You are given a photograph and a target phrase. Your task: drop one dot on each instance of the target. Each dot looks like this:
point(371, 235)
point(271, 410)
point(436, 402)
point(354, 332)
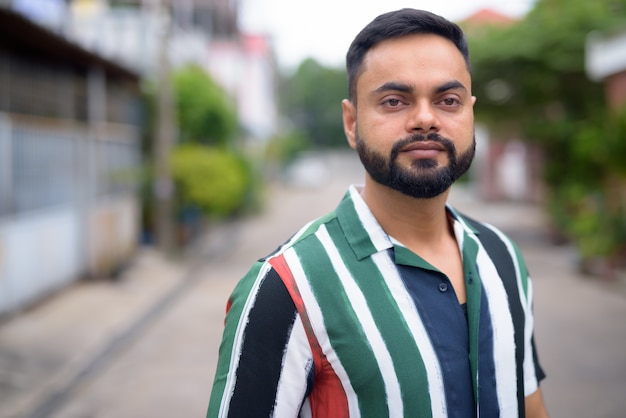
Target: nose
point(423, 118)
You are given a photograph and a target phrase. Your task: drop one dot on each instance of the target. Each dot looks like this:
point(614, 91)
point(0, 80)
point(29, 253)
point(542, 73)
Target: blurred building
point(203, 32)
point(605, 61)
point(70, 78)
point(69, 153)
point(246, 68)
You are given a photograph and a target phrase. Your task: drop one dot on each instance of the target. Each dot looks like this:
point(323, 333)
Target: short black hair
point(395, 25)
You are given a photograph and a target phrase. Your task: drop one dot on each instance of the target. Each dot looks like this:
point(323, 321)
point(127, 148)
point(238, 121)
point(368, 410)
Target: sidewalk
point(48, 348)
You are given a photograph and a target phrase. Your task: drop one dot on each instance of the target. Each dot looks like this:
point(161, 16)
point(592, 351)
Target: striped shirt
point(332, 325)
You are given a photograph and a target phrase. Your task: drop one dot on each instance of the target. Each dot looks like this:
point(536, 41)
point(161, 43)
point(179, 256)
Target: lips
point(423, 146)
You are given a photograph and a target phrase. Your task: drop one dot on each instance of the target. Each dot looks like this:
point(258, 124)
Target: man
point(393, 305)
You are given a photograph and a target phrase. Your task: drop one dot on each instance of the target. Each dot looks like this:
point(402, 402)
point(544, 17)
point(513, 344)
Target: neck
point(417, 223)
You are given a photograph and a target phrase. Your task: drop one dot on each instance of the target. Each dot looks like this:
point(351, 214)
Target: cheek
point(463, 127)
point(379, 132)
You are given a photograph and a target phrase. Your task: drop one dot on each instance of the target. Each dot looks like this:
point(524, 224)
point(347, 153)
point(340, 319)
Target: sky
point(324, 29)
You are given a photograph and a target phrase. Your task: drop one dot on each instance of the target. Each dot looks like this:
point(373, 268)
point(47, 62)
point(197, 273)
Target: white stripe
point(530, 379)
point(369, 327)
point(306, 411)
point(377, 235)
point(238, 341)
point(405, 303)
point(531, 384)
point(513, 254)
point(503, 333)
point(317, 322)
point(297, 362)
point(459, 234)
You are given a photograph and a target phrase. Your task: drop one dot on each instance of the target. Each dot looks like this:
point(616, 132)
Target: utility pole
point(164, 140)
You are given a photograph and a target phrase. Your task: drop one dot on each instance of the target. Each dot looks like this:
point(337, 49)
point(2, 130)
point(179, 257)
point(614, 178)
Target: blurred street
point(146, 343)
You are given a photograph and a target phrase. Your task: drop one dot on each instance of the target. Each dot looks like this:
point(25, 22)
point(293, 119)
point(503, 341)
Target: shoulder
point(305, 233)
point(273, 271)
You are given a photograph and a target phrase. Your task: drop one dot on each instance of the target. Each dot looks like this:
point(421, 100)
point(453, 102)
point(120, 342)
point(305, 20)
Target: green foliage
point(601, 140)
point(530, 79)
point(205, 113)
point(285, 148)
point(586, 172)
point(541, 64)
point(584, 217)
point(311, 100)
point(212, 179)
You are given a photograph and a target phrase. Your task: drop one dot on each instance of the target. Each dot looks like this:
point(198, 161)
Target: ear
point(349, 121)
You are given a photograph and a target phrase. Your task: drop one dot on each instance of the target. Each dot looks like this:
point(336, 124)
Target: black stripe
point(539, 373)
point(269, 325)
point(505, 266)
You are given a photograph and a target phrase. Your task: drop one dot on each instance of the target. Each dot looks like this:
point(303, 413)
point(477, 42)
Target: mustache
point(433, 137)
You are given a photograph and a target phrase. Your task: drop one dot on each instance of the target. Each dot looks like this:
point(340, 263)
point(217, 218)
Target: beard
point(424, 179)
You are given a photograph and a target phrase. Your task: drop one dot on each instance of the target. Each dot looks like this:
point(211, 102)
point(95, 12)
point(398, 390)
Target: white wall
point(38, 253)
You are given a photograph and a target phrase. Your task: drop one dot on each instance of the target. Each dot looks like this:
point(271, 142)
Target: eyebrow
point(451, 85)
point(394, 86)
point(407, 88)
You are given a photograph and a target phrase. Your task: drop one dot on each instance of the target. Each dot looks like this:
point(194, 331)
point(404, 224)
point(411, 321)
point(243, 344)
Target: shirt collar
point(364, 233)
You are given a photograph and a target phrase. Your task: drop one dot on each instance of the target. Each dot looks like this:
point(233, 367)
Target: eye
point(392, 102)
point(450, 101)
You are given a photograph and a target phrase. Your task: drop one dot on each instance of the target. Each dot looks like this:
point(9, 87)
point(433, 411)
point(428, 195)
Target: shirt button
point(443, 287)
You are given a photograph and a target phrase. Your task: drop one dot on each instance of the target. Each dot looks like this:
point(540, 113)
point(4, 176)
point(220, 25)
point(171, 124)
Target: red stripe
point(328, 398)
point(229, 305)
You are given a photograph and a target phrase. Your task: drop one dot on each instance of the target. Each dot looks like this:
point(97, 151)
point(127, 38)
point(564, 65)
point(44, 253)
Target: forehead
point(416, 59)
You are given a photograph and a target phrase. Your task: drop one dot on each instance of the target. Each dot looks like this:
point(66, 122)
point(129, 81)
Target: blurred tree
point(533, 73)
point(281, 150)
point(530, 79)
point(206, 113)
point(212, 174)
point(213, 178)
point(311, 101)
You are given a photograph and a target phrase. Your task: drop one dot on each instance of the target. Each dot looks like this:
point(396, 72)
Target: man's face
point(413, 126)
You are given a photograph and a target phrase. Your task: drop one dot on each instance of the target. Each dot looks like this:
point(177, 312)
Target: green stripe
point(314, 226)
point(353, 229)
point(239, 297)
point(407, 360)
point(522, 270)
point(407, 257)
point(473, 292)
point(344, 329)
